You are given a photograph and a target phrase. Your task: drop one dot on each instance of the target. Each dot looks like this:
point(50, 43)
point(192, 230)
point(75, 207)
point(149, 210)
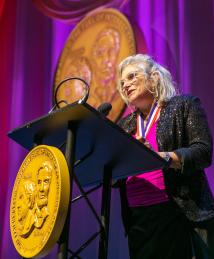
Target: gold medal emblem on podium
point(39, 201)
point(92, 52)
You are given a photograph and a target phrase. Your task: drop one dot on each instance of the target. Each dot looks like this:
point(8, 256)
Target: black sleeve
point(197, 154)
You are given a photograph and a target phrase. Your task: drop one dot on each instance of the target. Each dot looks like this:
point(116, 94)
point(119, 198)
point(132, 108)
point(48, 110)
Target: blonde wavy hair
point(163, 89)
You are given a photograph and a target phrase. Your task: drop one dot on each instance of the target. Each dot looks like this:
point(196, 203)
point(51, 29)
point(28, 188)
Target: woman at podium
point(169, 213)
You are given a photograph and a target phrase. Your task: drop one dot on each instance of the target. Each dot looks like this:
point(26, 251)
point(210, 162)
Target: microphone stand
point(82, 100)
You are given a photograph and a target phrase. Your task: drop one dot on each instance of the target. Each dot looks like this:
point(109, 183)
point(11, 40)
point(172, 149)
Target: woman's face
point(134, 85)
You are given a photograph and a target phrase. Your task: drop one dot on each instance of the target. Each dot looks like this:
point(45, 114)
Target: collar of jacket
point(129, 123)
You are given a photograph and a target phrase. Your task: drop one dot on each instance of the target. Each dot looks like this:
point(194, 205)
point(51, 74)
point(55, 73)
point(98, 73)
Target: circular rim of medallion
point(87, 23)
point(61, 203)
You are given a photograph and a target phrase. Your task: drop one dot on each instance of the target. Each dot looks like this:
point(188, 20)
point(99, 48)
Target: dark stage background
point(179, 34)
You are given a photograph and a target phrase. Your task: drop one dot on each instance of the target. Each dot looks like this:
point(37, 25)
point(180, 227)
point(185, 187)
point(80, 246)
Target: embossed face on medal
point(38, 203)
point(101, 41)
point(25, 205)
point(74, 66)
point(44, 176)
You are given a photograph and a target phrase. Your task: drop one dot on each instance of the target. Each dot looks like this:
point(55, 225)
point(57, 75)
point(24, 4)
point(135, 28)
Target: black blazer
point(183, 129)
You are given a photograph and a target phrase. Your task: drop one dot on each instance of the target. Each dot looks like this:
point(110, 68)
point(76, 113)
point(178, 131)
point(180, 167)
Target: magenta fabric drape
point(7, 57)
point(72, 11)
point(179, 34)
point(2, 2)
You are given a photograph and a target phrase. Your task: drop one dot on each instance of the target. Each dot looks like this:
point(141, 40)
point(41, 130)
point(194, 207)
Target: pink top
point(147, 188)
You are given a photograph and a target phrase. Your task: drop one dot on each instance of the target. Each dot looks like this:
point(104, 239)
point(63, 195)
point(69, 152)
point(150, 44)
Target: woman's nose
point(126, 85)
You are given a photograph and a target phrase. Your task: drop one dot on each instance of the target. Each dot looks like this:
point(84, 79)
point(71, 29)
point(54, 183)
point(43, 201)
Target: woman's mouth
point(129, 92)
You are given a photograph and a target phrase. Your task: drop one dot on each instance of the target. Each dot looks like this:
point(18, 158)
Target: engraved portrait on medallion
point(76, 66)
point(105, 51)
point(25, 207)
point(92, 52)
point(38, 205)
point(44, 175)
point(32, 202)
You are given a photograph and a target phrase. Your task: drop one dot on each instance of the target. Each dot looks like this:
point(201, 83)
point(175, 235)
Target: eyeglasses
point(129, 78)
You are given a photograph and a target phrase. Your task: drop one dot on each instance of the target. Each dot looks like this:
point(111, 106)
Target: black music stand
point(97, 151)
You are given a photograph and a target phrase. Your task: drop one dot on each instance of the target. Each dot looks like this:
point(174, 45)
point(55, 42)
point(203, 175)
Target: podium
point(96, 151)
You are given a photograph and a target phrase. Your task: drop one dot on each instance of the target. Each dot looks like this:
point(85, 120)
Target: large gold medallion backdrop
point(39, 201)
point(92, 52)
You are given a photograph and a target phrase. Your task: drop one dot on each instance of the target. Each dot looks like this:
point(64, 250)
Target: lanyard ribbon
point(154, 114)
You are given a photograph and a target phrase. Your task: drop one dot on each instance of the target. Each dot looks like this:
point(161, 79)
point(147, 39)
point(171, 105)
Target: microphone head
point(105, 108)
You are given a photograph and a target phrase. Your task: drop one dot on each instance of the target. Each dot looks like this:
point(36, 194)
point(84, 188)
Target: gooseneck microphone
point(82, 100)
point(105, 108)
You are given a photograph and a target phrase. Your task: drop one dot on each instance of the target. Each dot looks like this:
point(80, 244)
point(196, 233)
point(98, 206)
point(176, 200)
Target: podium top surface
point(98, 143)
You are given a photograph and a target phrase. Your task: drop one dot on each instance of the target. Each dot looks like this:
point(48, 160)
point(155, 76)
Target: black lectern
point(97, 151)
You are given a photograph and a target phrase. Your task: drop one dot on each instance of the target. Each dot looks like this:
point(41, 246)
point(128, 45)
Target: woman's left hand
point(175, 162)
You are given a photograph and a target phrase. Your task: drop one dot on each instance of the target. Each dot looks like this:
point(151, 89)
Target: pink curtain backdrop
point(72, 11)
point(1, 7)
point(179, 34)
